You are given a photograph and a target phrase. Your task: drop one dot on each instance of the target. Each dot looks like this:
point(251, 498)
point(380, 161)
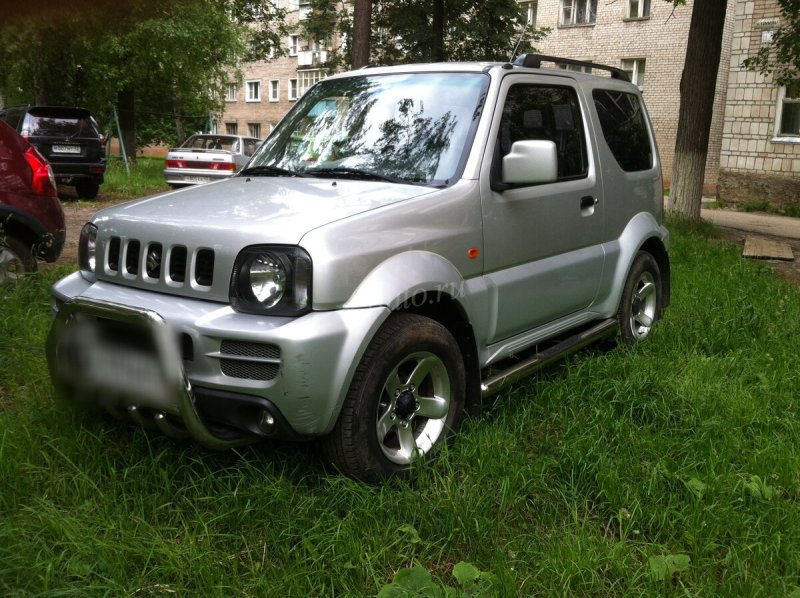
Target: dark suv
point(31, 217)
point(70, 140)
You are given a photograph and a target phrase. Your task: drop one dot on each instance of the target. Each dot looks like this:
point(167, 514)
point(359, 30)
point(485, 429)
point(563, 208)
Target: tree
point(421, 31)
point(403, 31)
point(781, 58)
point(362, 18)
point(697, 90)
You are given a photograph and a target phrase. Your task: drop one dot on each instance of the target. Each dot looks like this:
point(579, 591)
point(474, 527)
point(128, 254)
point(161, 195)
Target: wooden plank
point(766, 249)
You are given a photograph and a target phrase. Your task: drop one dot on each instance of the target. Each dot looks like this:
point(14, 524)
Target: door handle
point(588, 202)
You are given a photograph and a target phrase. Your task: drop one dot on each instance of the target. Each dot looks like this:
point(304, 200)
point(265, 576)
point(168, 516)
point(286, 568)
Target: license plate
point(67, 149)
point(197, 179)
point(128, 372)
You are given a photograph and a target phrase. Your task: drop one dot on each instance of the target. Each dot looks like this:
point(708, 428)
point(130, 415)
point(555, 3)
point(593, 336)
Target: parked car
point(205, 158)
point(69, 138)
point(31, 217)
point(407, 241)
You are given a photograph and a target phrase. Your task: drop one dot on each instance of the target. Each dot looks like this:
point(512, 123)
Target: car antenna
point(519, 41)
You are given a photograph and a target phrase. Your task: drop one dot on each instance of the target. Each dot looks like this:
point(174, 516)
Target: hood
point(257, 209)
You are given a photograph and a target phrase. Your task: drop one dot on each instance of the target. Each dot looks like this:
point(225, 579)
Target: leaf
point(465, 573)
point(759, 488)
point(415, 581)
point(696, 487)
point(663, 567)
point(411, 533)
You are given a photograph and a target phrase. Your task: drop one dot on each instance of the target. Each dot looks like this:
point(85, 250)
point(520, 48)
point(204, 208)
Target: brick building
point(269, 88)
point(760, 154)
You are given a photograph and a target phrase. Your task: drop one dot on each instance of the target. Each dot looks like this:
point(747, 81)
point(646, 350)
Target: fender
point(24, 219)
point(407, 276)
point(620, 254)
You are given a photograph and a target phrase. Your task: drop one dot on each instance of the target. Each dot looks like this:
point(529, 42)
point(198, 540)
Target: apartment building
point(270, 87)
point(760, 153)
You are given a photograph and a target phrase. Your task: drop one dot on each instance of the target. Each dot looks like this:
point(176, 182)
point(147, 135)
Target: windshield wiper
point(264, 170)
point(357, 173)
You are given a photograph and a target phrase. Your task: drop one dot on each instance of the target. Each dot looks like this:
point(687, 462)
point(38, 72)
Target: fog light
point(266, 422)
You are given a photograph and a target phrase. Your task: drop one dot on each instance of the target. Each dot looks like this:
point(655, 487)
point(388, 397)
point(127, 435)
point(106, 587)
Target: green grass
point(146, 177)
point(669, 469)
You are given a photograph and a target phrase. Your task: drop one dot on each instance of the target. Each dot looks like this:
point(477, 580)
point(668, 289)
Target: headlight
point(87, 248)
point(270, 279)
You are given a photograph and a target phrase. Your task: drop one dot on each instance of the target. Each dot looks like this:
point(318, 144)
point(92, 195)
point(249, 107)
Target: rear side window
point(624, 127)
point(549, 113)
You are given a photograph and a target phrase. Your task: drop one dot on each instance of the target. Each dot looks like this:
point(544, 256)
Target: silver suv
point(407, 241)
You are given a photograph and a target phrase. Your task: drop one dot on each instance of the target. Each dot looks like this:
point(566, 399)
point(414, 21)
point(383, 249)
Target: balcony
point(311, 58)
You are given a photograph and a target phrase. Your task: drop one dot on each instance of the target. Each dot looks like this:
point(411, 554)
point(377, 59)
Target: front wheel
point(406, 398)
point(640, 306)
point(16, 259)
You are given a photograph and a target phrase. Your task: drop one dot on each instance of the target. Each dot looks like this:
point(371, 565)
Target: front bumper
point(198, 369)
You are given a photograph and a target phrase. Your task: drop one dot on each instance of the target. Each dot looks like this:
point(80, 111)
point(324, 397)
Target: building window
point(635, 69)
point(578, 12)
point(231, 97)
point(638, 9)
point(254, 129)
point(292, 89)
point(231, 129)
point(294, 42)
point(577, 68)
point(789, 112)
point(529, 10)
point(274, 90)
point(254, 91)
point(308, 78)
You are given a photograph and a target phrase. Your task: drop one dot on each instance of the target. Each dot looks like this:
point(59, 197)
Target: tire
point(640, 307)
point(406, 398)
point(16, 259)
point(87, 189)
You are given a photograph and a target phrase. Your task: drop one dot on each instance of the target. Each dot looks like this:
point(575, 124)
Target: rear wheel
point(640, 307)
point(87, 189)
point(406, 398)
point(16, 259)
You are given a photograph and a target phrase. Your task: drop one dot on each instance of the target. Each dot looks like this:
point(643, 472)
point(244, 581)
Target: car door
point(543, 256)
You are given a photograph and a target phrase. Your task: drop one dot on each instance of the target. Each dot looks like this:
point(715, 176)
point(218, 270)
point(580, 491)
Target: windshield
point(411, 128)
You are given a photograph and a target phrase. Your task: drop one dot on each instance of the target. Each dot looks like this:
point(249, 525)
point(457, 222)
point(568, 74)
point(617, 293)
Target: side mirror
point(531, 161)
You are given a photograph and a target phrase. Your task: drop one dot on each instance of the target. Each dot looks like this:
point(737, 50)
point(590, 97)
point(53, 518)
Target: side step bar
point(499, 380)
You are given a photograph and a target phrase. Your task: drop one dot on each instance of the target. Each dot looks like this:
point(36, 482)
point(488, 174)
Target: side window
point(550, 113)
point(624, 127)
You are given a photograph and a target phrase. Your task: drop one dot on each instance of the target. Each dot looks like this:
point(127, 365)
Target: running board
point(498, 380)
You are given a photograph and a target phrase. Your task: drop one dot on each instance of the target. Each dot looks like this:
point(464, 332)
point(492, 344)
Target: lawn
point(669, 469)
point(143, 177)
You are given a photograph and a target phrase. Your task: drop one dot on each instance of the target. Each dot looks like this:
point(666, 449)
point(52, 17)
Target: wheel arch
point(427, 284)
point(643, 233)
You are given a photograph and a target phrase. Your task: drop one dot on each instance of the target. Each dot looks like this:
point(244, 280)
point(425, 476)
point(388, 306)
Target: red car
point(31, 218)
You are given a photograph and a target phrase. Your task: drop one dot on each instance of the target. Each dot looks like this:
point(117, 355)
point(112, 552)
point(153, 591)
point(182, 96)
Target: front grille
point(158, 262)
point(251, 361)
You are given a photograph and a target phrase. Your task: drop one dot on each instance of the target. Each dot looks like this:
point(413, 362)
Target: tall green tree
point(404, 31)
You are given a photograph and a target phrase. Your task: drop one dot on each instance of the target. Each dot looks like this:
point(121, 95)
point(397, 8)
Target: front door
point(543, 256)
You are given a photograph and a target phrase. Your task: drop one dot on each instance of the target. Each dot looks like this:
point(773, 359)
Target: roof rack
point(534, 61)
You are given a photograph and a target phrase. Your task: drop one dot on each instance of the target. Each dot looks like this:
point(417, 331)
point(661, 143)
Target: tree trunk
point(437, 27)
point(362, 19)
point(127, 121)
point(698, 85)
